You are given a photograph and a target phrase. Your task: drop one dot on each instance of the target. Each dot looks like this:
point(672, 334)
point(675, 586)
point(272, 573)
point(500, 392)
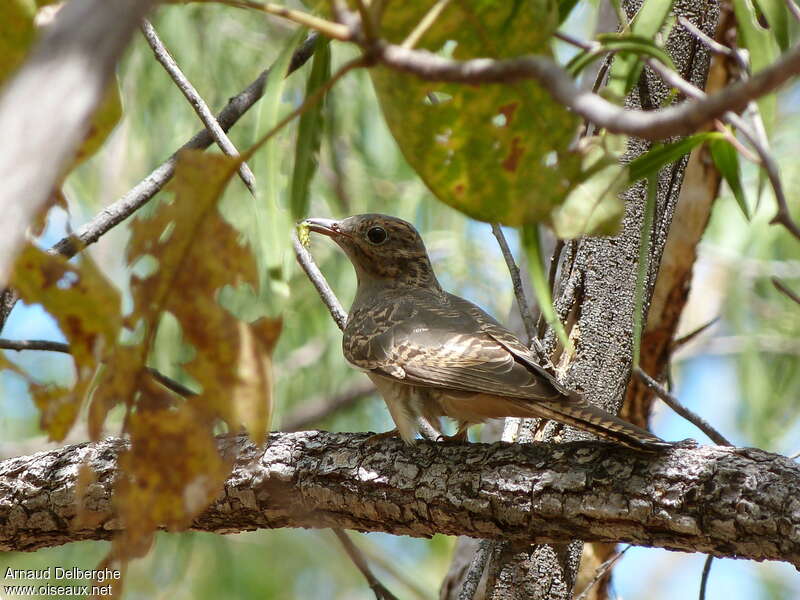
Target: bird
point(432, 354)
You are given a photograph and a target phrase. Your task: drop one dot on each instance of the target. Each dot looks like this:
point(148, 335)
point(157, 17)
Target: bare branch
point(704, 577)
point(601, 572)
point(679, 408)
point(355, 555)
point(519, 291)
point(685, 339)
point(782, 287)
point(708, 41)
point(681, 119)
point(329, 29)
point(687, 499)
point(49, 346)
point(318, 279)
point(200, 107)
point(794, 9)
point(46, 345)
point(422, 27)
point(73, 61)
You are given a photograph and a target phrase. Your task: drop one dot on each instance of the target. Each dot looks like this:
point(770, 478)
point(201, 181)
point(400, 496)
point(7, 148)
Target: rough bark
point(598, 283)
point(699, 190)
point(724, 501)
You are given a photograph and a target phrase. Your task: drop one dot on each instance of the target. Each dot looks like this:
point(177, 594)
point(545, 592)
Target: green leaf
point(621, 44)
point(309, 132)
point(643, 266)
point(564, 9)
point(726, 160)
point(499, 153)
point(763, 50)
point(777, 14)
point(663, 154)
point(626, 68)
point(533, 252)
point(272, 221)
point(594, 204)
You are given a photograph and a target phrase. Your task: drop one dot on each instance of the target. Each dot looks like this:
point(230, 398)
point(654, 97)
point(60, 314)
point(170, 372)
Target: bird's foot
point(377, 437)
point(459, 436)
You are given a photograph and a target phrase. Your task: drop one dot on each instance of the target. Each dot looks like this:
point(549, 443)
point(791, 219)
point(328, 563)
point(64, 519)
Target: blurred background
point(742, 374)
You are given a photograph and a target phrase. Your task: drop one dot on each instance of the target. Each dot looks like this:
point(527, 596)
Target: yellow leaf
point(252, 396)
point(86, 307)
point(172, 471)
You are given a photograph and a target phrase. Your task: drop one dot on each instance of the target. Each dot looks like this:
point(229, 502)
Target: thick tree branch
point(677, 120)
point(724, 501)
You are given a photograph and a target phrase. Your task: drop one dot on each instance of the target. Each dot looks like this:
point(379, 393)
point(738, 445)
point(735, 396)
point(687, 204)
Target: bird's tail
point(573, 410)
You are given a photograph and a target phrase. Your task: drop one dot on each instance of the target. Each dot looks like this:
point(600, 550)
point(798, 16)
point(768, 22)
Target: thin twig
point(170, 383)
point(767, 161)
point(601, 572)
point(377, 557)
point(327, 28)
point(679, 408)
point(573, 41)
point(704, 577)
point(381, 593)
point(685, 339)
point(200, 107)
point(318, 279)
point(46, 345)
point(49, 346)
point(147, 188)
point(425, 24)
point(783, 288)
point(707, 41)
point(795, 455)
point(794, 9)
point(516, 282)
point(314, 410)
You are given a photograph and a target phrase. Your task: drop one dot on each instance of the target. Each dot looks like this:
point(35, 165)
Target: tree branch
point(677, 120)
point(723, 501)
point(318, 279)
point(679, 408)
point(198, 104)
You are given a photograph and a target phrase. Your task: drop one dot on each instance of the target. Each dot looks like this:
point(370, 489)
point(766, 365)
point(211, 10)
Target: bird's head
point(384, 250)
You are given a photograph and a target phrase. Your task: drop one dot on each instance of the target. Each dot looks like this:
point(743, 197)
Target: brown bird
point(432, 354)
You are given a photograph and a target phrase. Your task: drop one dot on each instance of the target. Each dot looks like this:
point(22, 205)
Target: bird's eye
point(377, 235)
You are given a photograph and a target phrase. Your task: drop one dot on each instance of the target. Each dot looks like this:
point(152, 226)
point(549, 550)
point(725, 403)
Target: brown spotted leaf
point(86, 307)
point(198, 253)
point(171, 472)
point(495, 152)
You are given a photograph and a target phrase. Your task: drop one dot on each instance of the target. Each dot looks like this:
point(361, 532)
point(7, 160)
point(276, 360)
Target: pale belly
point(408, 403)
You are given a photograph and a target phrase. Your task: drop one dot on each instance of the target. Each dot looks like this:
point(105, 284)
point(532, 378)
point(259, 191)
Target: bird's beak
point(327, 227)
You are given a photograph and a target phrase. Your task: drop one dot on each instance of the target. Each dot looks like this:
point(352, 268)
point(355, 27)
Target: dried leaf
point(86, 306)
point(168, 476)
point(252, 396)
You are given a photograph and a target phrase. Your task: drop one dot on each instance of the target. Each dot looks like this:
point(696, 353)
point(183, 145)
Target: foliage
point(208, 284)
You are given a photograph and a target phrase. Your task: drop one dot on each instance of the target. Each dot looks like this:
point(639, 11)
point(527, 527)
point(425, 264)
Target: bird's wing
point(426, 339)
